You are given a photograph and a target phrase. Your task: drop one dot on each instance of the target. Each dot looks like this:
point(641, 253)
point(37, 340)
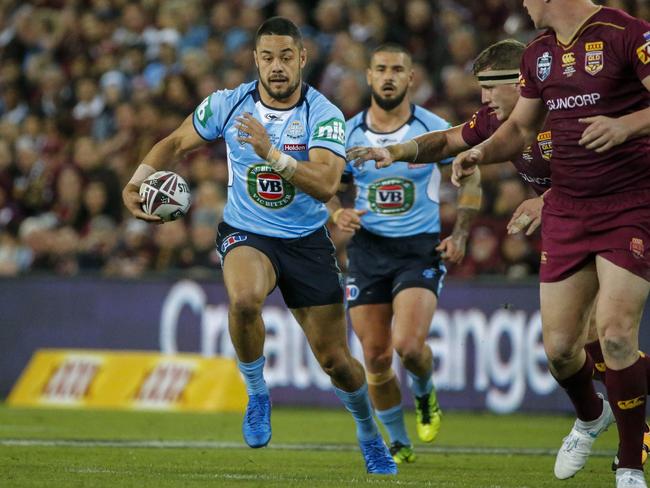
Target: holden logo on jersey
point(295, 130)
point(544, 66)
point(269, 189)
point(594, 58)
point(391, 196)
point(545, 144)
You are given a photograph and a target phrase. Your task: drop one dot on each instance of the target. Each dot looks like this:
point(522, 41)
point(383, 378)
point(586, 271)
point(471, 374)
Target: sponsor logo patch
point(204, 112)
point(331, 130)
point(573, 101)
point(351, 292)
point(544, 63)
point(271, 117)
point(295, 147)
point(568, 64)
point(543, 259)
point(632, 403)
point(545, 144)
point(594, 57)
point(391, 196)
point(269, 189)
point(472, 122)
point(429, 273)
point(637, 248)
point(231, 239)
point(643, 52)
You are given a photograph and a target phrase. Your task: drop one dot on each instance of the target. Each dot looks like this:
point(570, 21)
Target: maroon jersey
point(532, 164)
point(598, 73)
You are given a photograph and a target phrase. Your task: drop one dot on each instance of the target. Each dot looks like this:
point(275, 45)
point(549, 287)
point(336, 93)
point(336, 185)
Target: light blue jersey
point(259, 199)
point(403, 199)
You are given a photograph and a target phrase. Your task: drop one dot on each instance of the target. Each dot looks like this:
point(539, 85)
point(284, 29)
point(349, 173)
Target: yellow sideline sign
point(129, 380)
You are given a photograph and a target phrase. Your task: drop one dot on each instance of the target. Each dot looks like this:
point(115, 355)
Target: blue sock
point(421, 386)
point(254, 376)
point(358, 404)
point(393, 420)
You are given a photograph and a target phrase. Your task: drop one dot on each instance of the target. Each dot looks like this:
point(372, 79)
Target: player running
point(285, 145)
point(497, 70)
point(590, 74)
point(395, 268)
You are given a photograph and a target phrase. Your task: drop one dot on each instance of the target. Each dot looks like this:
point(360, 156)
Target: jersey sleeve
point(528, 79)
point(476, 130)
point(208, 117)
point(637, 47)
point(327, 129)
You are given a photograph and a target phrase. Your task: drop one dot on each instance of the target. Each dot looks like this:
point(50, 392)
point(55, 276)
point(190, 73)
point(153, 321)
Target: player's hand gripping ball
point(166, 195)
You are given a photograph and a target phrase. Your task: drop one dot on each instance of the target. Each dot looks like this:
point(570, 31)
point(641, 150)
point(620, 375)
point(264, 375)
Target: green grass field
point(310, 448)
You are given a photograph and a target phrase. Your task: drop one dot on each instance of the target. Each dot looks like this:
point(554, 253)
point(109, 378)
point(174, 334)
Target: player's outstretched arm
point(170, 149)
point(431, 147)
point(469, 201)
point(507, 142)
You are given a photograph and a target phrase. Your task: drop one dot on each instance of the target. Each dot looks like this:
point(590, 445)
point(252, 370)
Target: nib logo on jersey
point(391, 196)
point(269, 189)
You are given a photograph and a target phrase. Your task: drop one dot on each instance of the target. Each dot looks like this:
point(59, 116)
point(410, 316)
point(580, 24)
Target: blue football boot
point(377, 456)
point(257, 421)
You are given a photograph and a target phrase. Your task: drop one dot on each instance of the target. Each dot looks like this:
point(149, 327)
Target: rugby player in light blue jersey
point(395, 256)
point(286, 153)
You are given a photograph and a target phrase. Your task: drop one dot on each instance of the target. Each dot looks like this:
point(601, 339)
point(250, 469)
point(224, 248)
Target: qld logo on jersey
point(269, 189)
point(544, 63)
point(391, 196)
point(594, 57)
point(545, 144)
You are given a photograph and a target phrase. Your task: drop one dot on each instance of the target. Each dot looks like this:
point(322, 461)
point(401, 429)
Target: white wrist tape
point(282, 163)
point(141, 173)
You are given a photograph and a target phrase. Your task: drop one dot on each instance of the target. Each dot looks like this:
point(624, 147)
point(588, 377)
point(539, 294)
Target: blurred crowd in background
point(88, 86)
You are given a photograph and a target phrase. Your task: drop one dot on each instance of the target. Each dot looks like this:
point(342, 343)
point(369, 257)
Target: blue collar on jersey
point(303, 94)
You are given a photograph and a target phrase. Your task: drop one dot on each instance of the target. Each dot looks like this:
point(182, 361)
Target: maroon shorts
point(575, 231)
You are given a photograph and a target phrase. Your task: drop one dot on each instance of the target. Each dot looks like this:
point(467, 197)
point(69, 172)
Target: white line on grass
point(181, 444)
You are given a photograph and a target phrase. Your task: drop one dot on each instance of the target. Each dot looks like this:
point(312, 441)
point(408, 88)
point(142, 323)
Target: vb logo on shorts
point(269, 189)
point(391, 196)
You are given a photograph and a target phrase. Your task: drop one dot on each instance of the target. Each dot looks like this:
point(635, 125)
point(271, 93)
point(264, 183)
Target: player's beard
point(282, 95)
point(388, 103)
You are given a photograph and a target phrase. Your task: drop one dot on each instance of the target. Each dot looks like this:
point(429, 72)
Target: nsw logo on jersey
point(268, 188)
point(332, 130)
point(544, 63)
point(391, 196)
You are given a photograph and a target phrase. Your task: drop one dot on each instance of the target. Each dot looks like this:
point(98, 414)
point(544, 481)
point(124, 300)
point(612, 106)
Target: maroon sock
point(645, 359)
point(581, 391)
point(627, 391)
point(596, 353)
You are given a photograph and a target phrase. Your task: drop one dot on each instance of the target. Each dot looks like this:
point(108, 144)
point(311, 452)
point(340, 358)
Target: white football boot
point(630, 478)
point(576, 447)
